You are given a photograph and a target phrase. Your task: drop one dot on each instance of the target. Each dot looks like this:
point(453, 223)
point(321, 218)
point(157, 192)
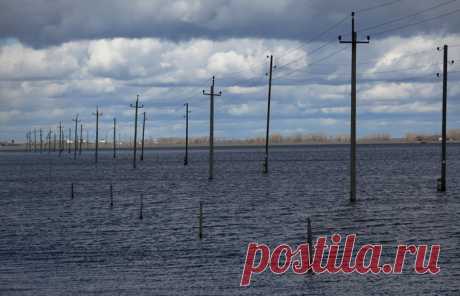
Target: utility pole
point(49, 141)
point(68, 141)
point(114, 138)
point(54, 142)
point(87, 139)
point(97, 114)
point(354, 41)
point(136, 106)
point(27, 141)
point(267, 135)
point(41, 141)
point(143, 134)
point(186, 133)
point(211, 126)
point(81, 139)
point(75, 137)
point(60, 138)
point(28, 135)
point(35, 140)
point(442, 182)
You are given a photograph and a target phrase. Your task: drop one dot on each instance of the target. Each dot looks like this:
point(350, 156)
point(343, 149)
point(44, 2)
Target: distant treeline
point(274, 139)
point(317, 138)
point(452, 135)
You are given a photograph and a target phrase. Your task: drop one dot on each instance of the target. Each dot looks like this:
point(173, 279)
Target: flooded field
point(51, 244)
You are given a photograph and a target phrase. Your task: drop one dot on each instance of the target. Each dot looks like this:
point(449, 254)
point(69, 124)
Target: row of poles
point(441, 182)
point(59, 145)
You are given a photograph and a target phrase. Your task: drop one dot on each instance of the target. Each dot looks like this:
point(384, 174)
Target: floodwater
point(51, 244)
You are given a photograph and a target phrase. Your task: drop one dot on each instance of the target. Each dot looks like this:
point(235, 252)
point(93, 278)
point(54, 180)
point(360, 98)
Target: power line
point(328, 29)
point(322, 59)
point(377, 6)
point(406, 16)
point(419, 22)
point(308, 53)
point(371, 61)
point(376, 72)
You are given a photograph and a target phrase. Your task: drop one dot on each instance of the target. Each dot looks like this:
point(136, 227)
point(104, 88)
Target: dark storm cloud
point(44, 22)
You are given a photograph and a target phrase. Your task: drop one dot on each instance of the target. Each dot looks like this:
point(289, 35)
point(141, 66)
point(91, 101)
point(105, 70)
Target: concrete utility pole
point(68, 141)
point(76, 137)
point(29, 140)
point(114, 138)
point(49, 141)
point(211, 126)
point(81, 139)
point(442, 182)
point(60, 138)
point(54, 143)
point(186, 133)
point(354, 41)
point(41, 141)
point(97, 114)
point(136, 106)
point(35, 140)
point(143, 134)
point(267, 135)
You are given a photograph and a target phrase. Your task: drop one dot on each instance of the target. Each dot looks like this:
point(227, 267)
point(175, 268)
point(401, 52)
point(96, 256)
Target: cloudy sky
point(62, 57)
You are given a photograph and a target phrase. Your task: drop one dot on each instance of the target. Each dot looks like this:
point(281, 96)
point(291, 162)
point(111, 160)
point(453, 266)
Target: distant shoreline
point(222, 146)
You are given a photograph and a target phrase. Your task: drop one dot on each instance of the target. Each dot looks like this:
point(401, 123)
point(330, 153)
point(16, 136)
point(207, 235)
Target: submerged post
point(111, 196)
point(143, 134)
point(267, 136)
point(354, 41)
point(309, 241)
point(136, 106)
point(200, 221)
point(141, 206)
point(211, 127)
point(71, 191)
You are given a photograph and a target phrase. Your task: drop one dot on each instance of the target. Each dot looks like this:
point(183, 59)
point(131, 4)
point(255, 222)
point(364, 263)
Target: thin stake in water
point(200, 221)
point(141, 206)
